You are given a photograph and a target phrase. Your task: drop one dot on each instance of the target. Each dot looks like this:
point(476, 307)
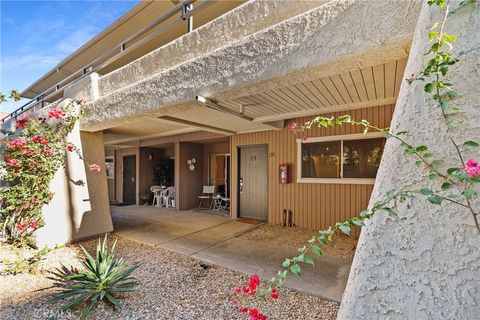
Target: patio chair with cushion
point(204, 199)
point(168, 197)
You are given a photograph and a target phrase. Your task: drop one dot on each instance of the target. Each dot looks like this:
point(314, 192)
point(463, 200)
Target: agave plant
point(101, 279)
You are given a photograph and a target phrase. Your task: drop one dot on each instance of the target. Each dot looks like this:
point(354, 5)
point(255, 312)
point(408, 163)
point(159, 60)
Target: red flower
point(95, 167)
point(69, 148)
point(256, 315)
point(35, 201)
point(244, 310)
point(56, 113)
point(20, 227)
point(47, 150)
point(254, 281)
point(33, 224)
point(304, 138)
point(21, 123)
point(274, 293)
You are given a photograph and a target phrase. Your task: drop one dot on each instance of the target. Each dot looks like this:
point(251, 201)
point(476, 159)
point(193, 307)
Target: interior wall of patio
point(188, 183)
point(314, 205)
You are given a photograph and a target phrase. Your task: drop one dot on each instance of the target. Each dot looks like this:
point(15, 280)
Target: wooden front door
point(129, 178)
point(252, 186)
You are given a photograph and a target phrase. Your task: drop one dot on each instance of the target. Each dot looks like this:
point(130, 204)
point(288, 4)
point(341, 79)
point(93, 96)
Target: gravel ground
point(294, 237)
point(172, 286)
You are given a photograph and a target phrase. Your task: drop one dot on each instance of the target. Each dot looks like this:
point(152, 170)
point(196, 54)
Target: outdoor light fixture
point(201, 99)
point(213, 105)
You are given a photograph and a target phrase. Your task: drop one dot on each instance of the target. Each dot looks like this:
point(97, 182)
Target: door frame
point(132, 156)
point(239, 158)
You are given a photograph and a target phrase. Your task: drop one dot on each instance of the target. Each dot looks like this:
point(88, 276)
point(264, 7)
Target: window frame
point(341, 138)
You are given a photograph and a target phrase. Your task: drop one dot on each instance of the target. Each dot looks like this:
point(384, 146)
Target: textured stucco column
point(426, 264)
point(76, 212)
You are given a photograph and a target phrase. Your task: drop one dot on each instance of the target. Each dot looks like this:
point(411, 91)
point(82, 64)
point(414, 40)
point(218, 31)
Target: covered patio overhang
point(305, 65)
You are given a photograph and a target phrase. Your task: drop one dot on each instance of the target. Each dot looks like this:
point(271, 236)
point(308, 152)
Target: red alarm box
point(283, 173)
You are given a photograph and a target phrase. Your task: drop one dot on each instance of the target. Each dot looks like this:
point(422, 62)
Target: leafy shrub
point(31, 156)
point(101, 279)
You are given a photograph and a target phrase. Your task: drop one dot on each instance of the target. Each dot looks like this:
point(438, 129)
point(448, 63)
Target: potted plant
point(146, 197)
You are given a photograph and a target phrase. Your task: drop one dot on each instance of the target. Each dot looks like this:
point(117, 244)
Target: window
point(340, 159)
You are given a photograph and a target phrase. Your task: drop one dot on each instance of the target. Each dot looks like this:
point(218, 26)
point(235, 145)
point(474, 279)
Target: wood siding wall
point(314, 206)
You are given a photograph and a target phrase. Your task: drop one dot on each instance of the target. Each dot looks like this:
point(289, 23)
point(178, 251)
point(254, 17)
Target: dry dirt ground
point(342, 246)
point(172, 286)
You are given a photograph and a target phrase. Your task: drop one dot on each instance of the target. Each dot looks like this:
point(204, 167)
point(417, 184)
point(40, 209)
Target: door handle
point(241, 184)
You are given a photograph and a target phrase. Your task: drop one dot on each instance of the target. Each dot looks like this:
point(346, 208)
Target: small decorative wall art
point(191, 164)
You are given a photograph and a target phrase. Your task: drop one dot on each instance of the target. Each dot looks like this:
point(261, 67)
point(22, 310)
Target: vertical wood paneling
point(314, 206)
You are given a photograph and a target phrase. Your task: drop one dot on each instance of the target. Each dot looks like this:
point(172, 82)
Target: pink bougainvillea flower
point(11, 162)
point(12, 144)
point(21, 123)
point(472, 168)
point(56, 113)
point(244, 310)
point(33, 224)
point(21, 226)
point(28, 152)
point(38, 139)
point(95, 167)
point(35, 201)
point(410, 77)
point(471, 163)
point(69, 148)
point(292, 125)
point(47, 150)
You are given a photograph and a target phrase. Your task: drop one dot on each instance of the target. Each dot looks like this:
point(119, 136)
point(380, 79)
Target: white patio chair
point(207, 194)
point(157, 195)
point(168, 197)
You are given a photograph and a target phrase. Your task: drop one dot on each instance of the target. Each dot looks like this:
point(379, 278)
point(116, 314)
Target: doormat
point(250, 221)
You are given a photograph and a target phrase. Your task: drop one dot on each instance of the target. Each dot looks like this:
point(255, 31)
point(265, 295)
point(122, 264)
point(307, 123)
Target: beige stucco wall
point(76, 211)
point(426, 264)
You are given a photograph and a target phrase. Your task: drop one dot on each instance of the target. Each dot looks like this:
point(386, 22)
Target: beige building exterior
point(220, 84)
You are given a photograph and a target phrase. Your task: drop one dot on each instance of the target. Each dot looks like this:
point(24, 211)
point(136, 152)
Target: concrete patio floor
point(218, 240)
